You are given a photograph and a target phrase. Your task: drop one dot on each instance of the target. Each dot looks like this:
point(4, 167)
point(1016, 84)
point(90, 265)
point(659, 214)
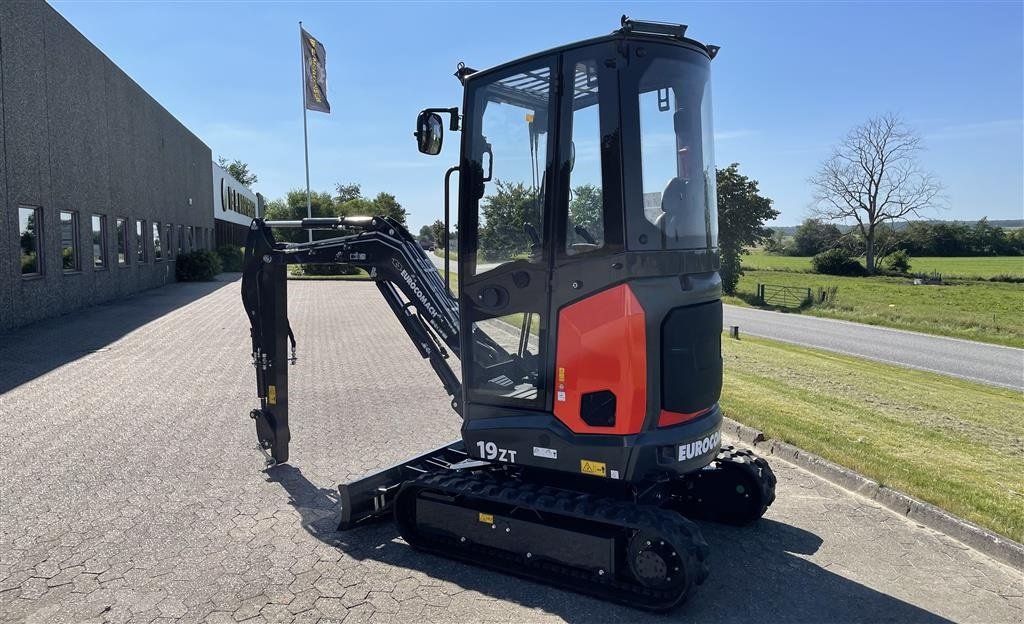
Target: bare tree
point(873, 177)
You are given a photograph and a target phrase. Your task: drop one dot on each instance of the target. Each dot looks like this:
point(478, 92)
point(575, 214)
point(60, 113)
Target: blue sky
point(791, 79)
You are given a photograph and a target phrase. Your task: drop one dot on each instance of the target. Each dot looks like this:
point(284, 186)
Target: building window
point(140, 241)
point(122, 241)
point(29, 221)
point(167, 240)
point(181, 239)
point(158, 254)
point(70, 259)
point(191, 239)
point(99, 241)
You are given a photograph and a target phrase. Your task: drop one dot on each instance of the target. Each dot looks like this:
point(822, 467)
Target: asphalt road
point(976, 361)
point(132, 491)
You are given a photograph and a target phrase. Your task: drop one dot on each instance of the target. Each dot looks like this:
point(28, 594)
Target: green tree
point(586, 210)
point(440, 237)
point(346, 192)
point(504, 216)
point(814, 236)
point(293, 208)
point(385, 205)
point(426, 234)
point(742, 212)
point(238, 170)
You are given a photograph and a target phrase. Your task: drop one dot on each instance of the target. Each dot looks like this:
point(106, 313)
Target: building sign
point(232, 200)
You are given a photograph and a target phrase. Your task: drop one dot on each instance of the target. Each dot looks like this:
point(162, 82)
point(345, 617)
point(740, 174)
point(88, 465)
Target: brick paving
point(131, 490)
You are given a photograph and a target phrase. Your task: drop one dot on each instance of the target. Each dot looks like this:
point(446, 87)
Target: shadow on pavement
point(33, 350)
point(757, 573)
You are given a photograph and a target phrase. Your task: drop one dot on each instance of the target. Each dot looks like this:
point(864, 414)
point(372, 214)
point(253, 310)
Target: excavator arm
point(402, 272)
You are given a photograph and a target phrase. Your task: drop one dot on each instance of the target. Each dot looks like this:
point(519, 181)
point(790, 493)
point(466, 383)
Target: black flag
point(314, 73)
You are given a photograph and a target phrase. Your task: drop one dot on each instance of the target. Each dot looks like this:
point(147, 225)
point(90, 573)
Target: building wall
point(78, 134)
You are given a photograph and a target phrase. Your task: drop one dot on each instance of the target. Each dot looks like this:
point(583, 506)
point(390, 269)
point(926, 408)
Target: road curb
point(981, 539)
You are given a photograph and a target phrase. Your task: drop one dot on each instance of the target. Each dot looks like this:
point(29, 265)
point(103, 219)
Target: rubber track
point(758, 469)
point(681, 533)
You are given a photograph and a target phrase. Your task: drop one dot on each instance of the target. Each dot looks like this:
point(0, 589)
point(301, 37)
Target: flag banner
point(314, 78)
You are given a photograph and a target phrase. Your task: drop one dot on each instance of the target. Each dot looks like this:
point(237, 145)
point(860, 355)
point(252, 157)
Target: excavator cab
point(587, 325)
point(587, 255)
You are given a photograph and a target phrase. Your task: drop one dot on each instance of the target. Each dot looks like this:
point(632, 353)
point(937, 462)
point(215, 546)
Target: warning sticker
point(561, 374)
point(593, 468)
point(272, 395)
point(561, 395)
point(487, 518)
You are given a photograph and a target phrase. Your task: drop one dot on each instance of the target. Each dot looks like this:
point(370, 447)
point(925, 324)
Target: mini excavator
point(587, 325)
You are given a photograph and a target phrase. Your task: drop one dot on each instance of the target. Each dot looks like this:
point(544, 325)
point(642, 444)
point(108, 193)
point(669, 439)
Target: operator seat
point(679, 214)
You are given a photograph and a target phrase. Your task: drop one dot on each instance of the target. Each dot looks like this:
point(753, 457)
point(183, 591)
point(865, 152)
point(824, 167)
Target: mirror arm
point(453, 113)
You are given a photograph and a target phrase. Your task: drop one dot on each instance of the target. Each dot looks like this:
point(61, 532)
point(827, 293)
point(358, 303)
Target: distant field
point(986, 311)
point(977, 267)
point(953, 443)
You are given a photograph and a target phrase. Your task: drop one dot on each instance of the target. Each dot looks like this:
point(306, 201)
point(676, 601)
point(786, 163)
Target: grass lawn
point(953, 443)
point(453, 255)
point(977, 268)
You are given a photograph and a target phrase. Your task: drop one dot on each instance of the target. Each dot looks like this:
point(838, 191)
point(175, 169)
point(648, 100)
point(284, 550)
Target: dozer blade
point(371, 497)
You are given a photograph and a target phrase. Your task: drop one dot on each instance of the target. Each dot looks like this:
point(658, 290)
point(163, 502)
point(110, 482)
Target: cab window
point(511, 147)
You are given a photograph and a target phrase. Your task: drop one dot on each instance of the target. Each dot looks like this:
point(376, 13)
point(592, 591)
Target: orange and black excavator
point(587, 325)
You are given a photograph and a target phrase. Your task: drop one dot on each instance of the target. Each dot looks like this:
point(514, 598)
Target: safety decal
point(272, 395)
point(599, 469)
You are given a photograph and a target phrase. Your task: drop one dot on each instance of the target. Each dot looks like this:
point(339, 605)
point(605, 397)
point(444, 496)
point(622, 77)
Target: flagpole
point(305, 131)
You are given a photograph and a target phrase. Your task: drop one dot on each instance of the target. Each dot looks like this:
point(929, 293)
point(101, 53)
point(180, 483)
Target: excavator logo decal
point(700, 447)
point(411, 281)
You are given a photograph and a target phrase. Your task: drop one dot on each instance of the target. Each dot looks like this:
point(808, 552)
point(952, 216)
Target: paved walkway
point(131, 491)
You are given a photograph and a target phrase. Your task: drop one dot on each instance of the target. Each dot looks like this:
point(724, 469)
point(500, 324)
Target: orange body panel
point(667, 418)
point(602, 345)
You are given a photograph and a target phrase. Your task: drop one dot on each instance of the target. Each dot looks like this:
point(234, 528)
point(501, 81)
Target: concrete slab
point(131, 491)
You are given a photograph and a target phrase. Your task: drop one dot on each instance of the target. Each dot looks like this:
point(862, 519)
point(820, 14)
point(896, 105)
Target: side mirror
point(429, 133)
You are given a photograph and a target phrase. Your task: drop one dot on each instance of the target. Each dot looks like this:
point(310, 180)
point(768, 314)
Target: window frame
point(141, 249)
point(40, 264)
point(76, 244)
point(104, 261)
point(155, 239)
point(118, 242)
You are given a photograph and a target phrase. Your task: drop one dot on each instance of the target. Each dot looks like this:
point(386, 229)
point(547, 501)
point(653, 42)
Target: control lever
point(531, 233)
point(584, 234)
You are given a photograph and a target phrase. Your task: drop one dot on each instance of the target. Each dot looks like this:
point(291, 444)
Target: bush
point(197, 266)
point(837, 262)
point(814, 237)
point(230, 258)
point(329, 269)
point(898, 261)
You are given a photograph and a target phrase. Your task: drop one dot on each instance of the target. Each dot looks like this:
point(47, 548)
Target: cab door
point(506, 193)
